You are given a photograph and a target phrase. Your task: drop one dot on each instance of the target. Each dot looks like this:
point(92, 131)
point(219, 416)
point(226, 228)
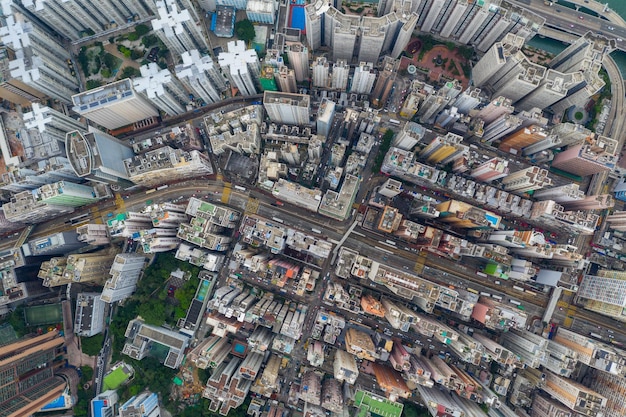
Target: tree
point(130, 72)
point(153, 312)
point(93, 84)
point(245, 30)
point(92, 345)
point(141, 30)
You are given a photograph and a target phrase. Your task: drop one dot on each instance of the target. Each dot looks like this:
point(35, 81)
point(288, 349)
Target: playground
point(441, 62)
point(43, 314)
point(370, 404)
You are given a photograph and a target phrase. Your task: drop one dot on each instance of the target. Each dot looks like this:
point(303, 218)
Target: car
point(581, 17)
point(571, 26)
point(611, 28)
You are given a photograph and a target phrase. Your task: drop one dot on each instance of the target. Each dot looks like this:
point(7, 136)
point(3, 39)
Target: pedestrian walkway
point(226, 193)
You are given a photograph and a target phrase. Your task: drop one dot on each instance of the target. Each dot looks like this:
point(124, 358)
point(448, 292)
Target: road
point(569, 20)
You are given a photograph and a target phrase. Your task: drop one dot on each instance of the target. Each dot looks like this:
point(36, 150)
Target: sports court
point(43, 314)
point(296, 15)
point(115, 378)
point(370, 404)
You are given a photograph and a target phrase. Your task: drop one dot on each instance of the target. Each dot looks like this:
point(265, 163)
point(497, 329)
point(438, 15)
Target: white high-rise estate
point(341, 71)
point(298, 55)
point(74, 18)
point(125, 273)
point(162, 89)
point(287, 108)
point(321, 73)
point(40, 68)
point(241, 66)
point(201, 76)
point(363, 79)
point(177, 28)
point(114, 105)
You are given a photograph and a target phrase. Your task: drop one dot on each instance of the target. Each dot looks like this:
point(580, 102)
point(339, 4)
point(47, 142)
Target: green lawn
point(374, 405)
point(115, 379)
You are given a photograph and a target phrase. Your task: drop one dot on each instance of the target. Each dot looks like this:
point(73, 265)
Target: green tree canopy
point(92, 345)
point(245, 30)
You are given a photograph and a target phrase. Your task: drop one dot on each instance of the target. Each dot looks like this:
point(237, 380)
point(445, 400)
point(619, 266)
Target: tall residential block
point(166, 164)
point(298, 55)
point(86, 267)
point(588, 157)
point(163, 90)
point(75, 19)
point(114, 105)
point(320, 73)
point(339, 78)
point(89, 314)
point(201, 76)
point(575, 396)
point(363, 78)
point(125, 272)
point(99, 157)
point(241, 66)
point(47, 129)
point(529, 179)
point(38, 64)
point(410, 135)
point(286, 108)
point(177, 27)
point(27, 374)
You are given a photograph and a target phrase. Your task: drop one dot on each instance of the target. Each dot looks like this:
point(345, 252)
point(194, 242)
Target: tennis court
point(43, 314)
point(7, 334)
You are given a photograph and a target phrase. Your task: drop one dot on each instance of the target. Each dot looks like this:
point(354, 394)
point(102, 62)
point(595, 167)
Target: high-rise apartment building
point(444, 149)
point(604, 293)
point(48, 128)
point(74, 19)
point(178, 28)
point(345, 368)
point(25, 208)
point(320, 73)
point(527, 136)
point(496, 108)
point(89, 314)
point(201, 76)
point(588, 157)
point(54, 244)
point(99, 157)
point(286, 108)
point(125, 272)
point(286, 80)
point(574, 396)
point(114, 105)
point(86, 267)
point(38, 64)
point(491, 170)
point(241, 66)
point(162, 89)
point(385, 82)
point(613, 388)
point(325, 117)
point(298, 55)
point(501, 127)
point(166, 164)
point(145, 404)
point(468, 100)
point(410, 135)
point(560, 135)
point(363, 78)
point(528, 179)
point(340, 73)
point(261, 11)
point(27, 374)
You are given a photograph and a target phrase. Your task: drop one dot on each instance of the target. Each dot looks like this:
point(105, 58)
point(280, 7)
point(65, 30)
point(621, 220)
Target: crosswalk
point(226, 193)
point(252, 206)
point(419, 264)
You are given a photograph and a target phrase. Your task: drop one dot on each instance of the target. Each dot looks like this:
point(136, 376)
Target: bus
point(394, 122)
point(240, 188)
point(278, 203)
point(515, 302)
point(472, 290)
point(162, 187)
point(485, 294)
point(276, 219)
point(78, 219)
point(520, 289)
point(481, 274)
point(390, 242)
point(318, 231)
point(596, 335)
point(496, 297)
point(150, 191)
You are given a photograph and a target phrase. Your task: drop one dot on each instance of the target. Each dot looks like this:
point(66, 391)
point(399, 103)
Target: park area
point(437, 60)
point(120, 57)
point(43, 314)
